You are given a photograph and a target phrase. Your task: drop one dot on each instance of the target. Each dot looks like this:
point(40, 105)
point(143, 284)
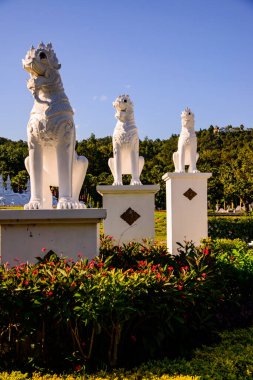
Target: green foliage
point(234, 262)
point(129, 256)
point(236, 252)
point(231, 227)
point(19, 181)
point(231, 359)
point(60, 313)
point(129, 304)
point(12, 156)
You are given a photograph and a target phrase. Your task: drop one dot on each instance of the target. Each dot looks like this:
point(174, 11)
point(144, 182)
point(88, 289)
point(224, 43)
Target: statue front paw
point(66, 204)
point(117, 183)
point(135, 182)
point(195, 171)
point(32, 205)
point(80, 205)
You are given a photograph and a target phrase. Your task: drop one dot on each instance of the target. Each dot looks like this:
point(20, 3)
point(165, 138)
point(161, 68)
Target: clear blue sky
point(166, 54)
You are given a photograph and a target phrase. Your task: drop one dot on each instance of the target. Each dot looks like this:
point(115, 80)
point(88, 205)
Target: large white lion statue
point(187, 145)
point(125, 141)
point(52, 159)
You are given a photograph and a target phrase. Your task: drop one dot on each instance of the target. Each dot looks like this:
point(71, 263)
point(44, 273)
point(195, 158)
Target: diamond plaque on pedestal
point(130, 216)
point(190, 194)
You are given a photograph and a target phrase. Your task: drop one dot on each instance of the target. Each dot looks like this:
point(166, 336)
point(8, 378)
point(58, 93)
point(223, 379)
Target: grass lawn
point(11, 207)
point(160, 226)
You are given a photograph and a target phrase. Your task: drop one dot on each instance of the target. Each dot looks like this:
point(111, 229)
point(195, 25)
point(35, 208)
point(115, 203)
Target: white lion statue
point(125, 141)
point(187, 145)
point(52, 159)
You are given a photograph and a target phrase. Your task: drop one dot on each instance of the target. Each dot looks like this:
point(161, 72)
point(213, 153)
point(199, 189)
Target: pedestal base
point(186, 204)
point(130, 212)
point(66, 232)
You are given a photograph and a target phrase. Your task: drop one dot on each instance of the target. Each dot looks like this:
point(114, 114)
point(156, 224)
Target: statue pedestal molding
point(68, 233)
point(130, 211)
point(186, 204)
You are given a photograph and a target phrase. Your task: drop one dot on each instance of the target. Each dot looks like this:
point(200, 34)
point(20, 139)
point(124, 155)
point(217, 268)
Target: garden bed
point(129, 305)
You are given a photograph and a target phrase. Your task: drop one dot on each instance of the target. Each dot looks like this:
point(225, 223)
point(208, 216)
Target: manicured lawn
point(11, 207)
point(160, 226)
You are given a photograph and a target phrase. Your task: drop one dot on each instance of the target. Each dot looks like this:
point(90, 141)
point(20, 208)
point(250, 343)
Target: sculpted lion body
point(125, 141)
point(187, 145)
point(52, 159)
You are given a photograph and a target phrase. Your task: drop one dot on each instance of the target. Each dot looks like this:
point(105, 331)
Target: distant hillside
point(225, 152)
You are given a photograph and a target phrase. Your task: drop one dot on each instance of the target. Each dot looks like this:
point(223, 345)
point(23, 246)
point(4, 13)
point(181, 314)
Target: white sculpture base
point(71, 233)
point(130, 211)
point(186, 203)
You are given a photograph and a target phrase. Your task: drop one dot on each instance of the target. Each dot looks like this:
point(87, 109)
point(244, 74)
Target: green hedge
point(130, 304)
point(231, 227)
point(231, 359)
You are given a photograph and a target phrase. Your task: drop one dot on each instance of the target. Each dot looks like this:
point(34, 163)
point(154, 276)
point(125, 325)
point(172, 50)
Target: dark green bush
point(129, 256)
point(235, 262)
point(130, 304)
point(58, 312)
point(231, 227)
point(231, 359)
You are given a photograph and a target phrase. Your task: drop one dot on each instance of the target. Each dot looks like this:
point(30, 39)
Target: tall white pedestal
point(66, 232)
point(186, 204)
point(130, 211)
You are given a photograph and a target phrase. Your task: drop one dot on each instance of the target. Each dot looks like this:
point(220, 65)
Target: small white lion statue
point(52, 159)
point(125, 141)
point(187, 145)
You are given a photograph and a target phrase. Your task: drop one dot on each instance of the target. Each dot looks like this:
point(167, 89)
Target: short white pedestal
point(66, 232)
point(130, 212)
point(186, 204)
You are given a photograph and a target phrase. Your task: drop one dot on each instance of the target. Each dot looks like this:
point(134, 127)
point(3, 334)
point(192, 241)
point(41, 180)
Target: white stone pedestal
point(67, 232)
point(186, 204)
point(130, 211)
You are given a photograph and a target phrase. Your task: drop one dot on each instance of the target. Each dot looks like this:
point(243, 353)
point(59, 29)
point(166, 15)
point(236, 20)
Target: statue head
point(187, 117)
point(124, 107)
point(38, 61)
